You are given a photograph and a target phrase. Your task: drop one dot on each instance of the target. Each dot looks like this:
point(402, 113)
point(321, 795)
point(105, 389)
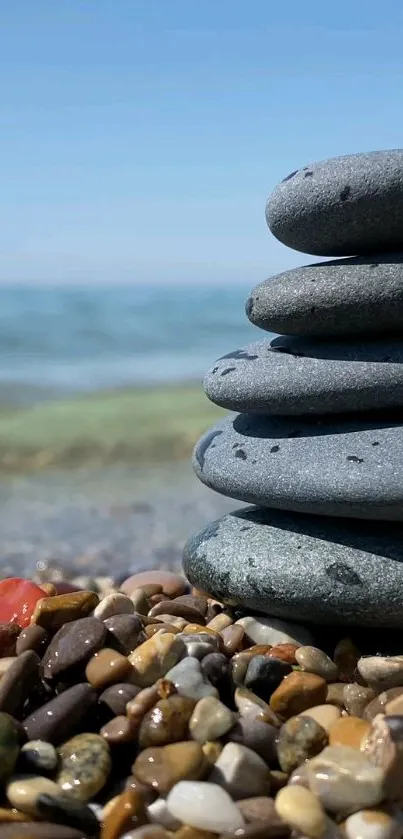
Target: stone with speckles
point(300, 567)
point(289, 375)
point(346, 467)
point(342, 206)
point(361, 296)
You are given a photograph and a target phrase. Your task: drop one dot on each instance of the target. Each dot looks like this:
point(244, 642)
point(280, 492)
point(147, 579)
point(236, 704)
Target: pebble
point(215, 669)
point(158, 813)
point(180, 610)
point(296, 693)
point(85, 764)
point(302, 811)
point(348, 731)
point(40, 830)
point(335, 695)
point(381, 672)
point(9, 745)
point(260, 809)
point(19, 680)
point(265, 674)
point(346, 656)
point(210, 720)
point(142, 702)
point(378, 704)
point(171, 620)
point(155, 657)
point(67, 811)
point(248, 704)
point(195, 601)
point(125, 632)
point(345, 780)
point(232, 637)
point(120, 730)
point(284, 652)
point(273, 631)
point(61, 716)
point(22, 792)
point(127, 813)
point(73, 646)
point(148, 831)
point(257, 735)
point(299, 739)
point(220, 622)
point(316, 661)
point(9, 633)
point(38, 755)
point(32, 638)
point(116, 697)
point(383, 746)
point(140, 601)
point(189, 680)
point(356, 698)
point(241, 772)
point(200, 645)
point(173, 585)
point(325, 715)
point(372, 824)
point(205, 806)
point(161, 768)
point(106, 667)
point(114, 604)
point(167, 722)
point(52, 612)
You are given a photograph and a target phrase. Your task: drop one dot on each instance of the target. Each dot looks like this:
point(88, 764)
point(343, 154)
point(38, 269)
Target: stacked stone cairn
point(316, 444)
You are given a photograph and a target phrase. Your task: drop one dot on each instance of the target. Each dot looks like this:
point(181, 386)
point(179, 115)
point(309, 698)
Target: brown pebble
point(9, 633)
point(165, 688)
point(142, 703)
point(173, 585)
point(220, 622)
point(300, 738)
point(140, 601)
point(259, 809)
point(284, 652)
point(12, 815)
point(117, 696)
point(39, 830)
point(189, 832)
point(164, 767)
point(181, 610)
point(32, 638)
point(120, 730)
point(107, 667)
point(50, 589)
point(346, 658)
point(149, 631)
point(127, 813)
point(150, 589)
point(348, 731)
point(172, 620)
point(378, 704)
point(152, 659)
point(314, 660)
point(59, 718)
point(167, 722)
point(125, 632)
point(155, 599)
point(198, 602)
point(232, 637)
point(18, 682)
point(297, 692)
point(53, 612)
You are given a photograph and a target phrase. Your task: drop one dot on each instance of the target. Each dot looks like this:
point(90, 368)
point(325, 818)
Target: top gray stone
point(341, 207)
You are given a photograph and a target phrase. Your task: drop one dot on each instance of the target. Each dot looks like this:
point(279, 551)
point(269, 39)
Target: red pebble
point(18, 598)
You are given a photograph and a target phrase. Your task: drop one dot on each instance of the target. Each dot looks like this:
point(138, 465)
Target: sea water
point(60, 340)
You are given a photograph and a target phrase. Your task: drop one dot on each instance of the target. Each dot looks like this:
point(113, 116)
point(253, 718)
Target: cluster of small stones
point(317, 444)
point(155, 712)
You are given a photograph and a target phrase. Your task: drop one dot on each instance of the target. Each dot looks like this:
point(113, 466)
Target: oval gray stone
point(337, 467)
point(293, 376)
point(304, 568)
point(343, 206)
point(358, 296)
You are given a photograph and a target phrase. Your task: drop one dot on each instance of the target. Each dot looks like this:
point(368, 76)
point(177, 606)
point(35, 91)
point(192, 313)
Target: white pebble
point(372, 824)
point(113, 604)
point(158, 813)
point(273, 631)
point(189, 680)
point(204, 805)
point(241, 772)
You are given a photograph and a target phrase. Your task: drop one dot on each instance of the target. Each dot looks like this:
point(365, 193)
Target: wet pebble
point(162, 768)
point(32, 638)
point(167, 722)
point(85, 764)
point(325, 715)
point(381, 672)
point(345, 780)
point(9, 745)
point(127, 813)
point(372, 824)
point(284, 652)
point(38, 756)
point(198, 646)
point(115, 603)
point(265, 674)
point(205, 806)
point(66, 811)
point(18, 682)
point(379, 703)
point(22, 792)
point(383, 746)
point(314, 660)
point(60, 717)
point(210, 720)
point(356, 698)
point(299, 739)
point(248, 704)
point(181, 610)
point(241, 772)
point(173, 585)
point(120, 730)
point(302, 811)
point(140, 601)
point(274, 631)
point(260, 809)
point(53, 612)
point(232, 637)
point(116, 697)
point(189, 680)
point(73, 646)
point(125, 632)
point(257, 735)
point(106, 667)
point(155, 657)
point(9, 633)
point(39, 830)
point(349, 731)
point(297, 692)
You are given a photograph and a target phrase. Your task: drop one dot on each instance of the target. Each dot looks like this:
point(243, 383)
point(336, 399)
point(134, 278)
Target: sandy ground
point(105, 520)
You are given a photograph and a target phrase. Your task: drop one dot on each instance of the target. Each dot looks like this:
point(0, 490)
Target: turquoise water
point(69, 340)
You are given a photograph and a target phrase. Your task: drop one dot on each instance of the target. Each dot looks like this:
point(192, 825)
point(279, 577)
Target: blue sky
point(139, 139)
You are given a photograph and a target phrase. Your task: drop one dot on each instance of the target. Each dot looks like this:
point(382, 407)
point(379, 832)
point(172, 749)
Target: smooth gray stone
point(335, 467)
point(293, 376)
point(341, 207)
point(342, 297)
point(303, 568)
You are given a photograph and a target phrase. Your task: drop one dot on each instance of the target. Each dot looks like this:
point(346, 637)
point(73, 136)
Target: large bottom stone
point(300, 567)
